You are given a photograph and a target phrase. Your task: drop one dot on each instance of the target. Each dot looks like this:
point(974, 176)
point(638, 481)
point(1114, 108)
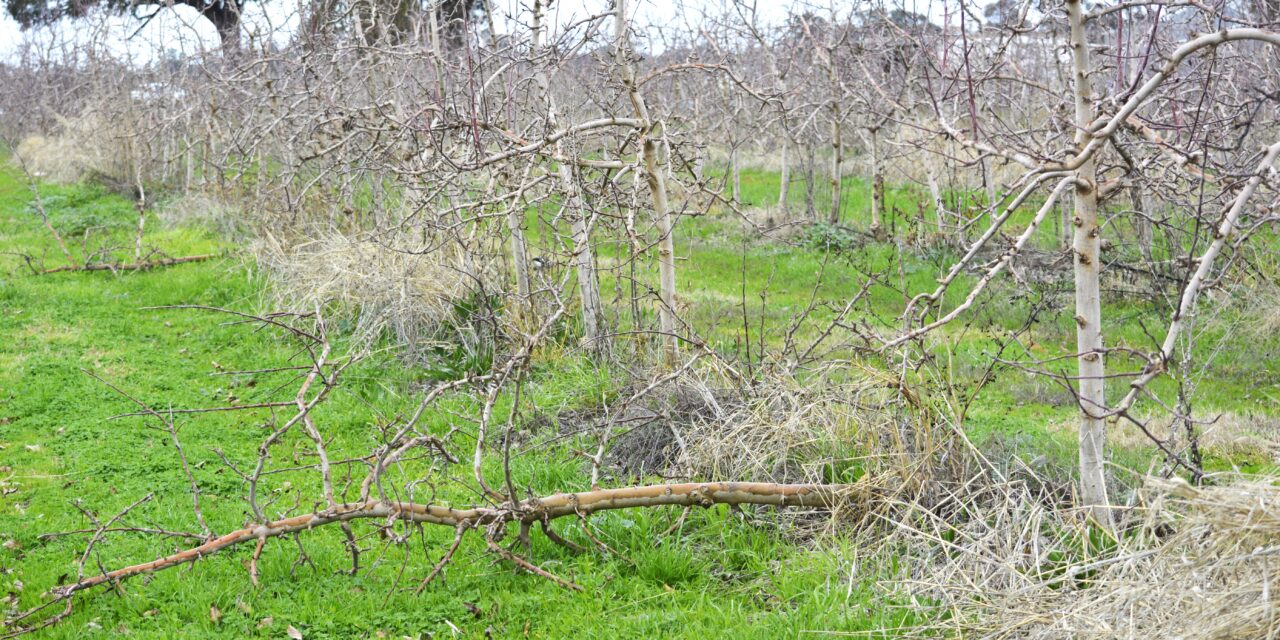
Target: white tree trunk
point(837, 164)
point(784, 182)
point(1142, 223)
point(141, 205)
point(1087, 246)
point(837, 143)
point(939, 206)
point(656, 179)
point(584, 258)
point(735, 175)
point(516, 214)
point(519, 247)
point(877, 187)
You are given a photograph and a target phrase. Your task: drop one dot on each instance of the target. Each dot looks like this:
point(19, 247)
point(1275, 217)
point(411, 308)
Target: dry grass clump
point(704, 423)
point(88, 145)
point(863, 429)
point(1237, 436)
point(1228, 435)
point(53, 158)
point(783, 433)
point(1190, 563)
point(197, 209)
point(382, 285)
point(1263, 311)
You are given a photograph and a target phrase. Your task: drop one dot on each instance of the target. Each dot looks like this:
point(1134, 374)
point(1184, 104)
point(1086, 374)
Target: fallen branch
point(131, 266)
point(527, 511)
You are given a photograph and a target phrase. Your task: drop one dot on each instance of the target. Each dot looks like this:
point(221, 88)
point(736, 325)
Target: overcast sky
point(181, 29)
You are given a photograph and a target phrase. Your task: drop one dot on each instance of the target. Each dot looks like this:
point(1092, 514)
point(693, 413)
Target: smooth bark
point(656, 179)
point(584, 259)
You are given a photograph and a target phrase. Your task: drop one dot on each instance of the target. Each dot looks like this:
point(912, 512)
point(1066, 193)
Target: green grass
point(716, 577)
point(60, 447)
point(725, 269)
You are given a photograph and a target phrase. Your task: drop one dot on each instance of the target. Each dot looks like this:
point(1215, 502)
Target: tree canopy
point(224, 14)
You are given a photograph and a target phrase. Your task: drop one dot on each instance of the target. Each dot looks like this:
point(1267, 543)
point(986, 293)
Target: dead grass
point(197, 209)
point(54, 158)
point(999, 551)
point(1192, 563)
point(1263, 311)
point(1227, 435)
point(383, 286)
point(87, 145)
point(791, 429)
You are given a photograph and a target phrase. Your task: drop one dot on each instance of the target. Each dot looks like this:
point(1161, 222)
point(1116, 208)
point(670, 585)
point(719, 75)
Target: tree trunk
point(1087, 246)
point(939, 207)
point(584, 258)
point(810, 176)
point(588, 282)
point(1064, 240)
point(400, 24)
point(519, 248)
point(877, 187)
point(317, 19)
point(784, 182)
point(837, 167)
point(1142, 223)
point(656, 179)
point(452, 16)
point(734, 175)
point(989, 181)
point(384, 22)
point(141, 206)
point(837, 143)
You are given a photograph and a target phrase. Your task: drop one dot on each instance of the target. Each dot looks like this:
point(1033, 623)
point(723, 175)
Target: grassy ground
point(1235, 374)
point(729, 277)
point(719, 577)
point(60, 447)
